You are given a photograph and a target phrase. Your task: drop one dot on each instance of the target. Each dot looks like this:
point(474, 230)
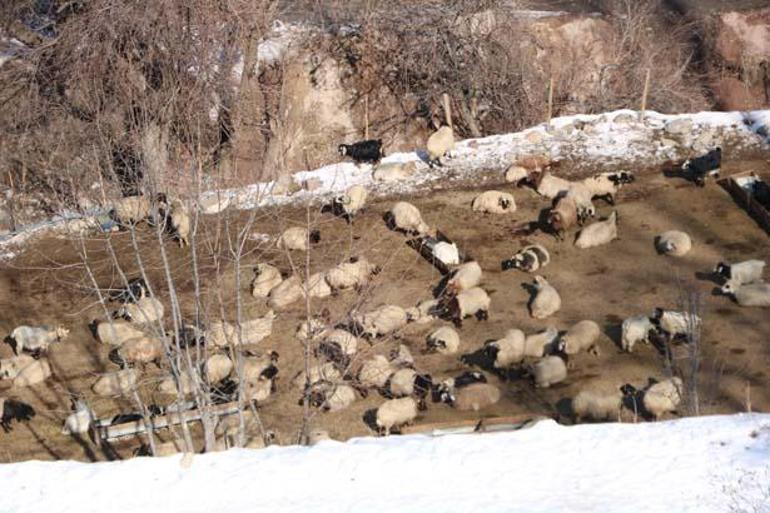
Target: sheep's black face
point(270, 372)
point(423, 383)
point(445, 396)
point(628, 389)
point(316, 399)
point(315, 236)
point(491, 350)
point(508, 264)
point(656, 315)
point(723, 270)
point(504, 203)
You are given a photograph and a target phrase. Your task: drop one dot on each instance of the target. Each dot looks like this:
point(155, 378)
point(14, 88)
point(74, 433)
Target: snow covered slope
point(704, 464)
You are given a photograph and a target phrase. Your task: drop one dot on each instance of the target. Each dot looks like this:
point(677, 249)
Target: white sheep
point(253, 331)
point(582, 336)
point(549, 370)
point(33, 373)
point(550, 186)
point(606, 185)
point(333, 397)
point(516, 174)
point(674, 324)
point(115, 332)
point(401, 356)
point(144, 349)
point(374, 372)
point(674, 243)
point(494, 202)
point(10, 367)
point(424, 312)
point(406, 382)
point(317, 286)
point(406, 217)
point(131, 209)
point(741, 273)
point(36, 339)
point(286, 293)
point(659, 397)
point(298, 238)
point(598, 233)
point(597, 405)
point(394, 171)
point(79, 421)
point(326, 371)
point(146, 310)
point(217, 367)
point(258, 391)
point(355, 273)
point(116, 383)
point(346, 341)
point(180, 222)
point(635, 329)
point(446, 253)
point(463, 277)
point(508, 350)
point(546, 300)
point(396, 413)
point(352, 202)
point(255, 368)
point(309, 329)
point(444, 340)
point(474, 397)
point(751, 294)
point(266, 278)
point(474, 301)
point(538, 344)
point(383, 320)
point(220, 334)
point(528, 259)
point(581, 195)
point(440, 144)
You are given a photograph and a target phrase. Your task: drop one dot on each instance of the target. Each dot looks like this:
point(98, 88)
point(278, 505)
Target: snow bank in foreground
point(701, 464)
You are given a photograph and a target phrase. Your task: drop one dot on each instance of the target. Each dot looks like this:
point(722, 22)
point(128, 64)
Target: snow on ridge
point(701, 464)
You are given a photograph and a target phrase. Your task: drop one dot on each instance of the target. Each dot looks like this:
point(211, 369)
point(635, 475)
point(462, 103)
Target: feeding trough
point(752, 193)
point(440, 251)
point(484, 425)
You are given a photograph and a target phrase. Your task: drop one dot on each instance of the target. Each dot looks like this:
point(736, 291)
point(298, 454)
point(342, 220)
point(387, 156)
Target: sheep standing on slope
point(369, 151)
point(751, 294)
point(741, 273)
point(266, 278)
point(473, 397)
point(406, 218)
point(494, 202)
point(581, 195)
point(349, 204)
point(440, 144)
point(508, 350)
point(598, 233)
point(659, 397)
point(382, 321)
point(469, 302)
point(463, 277)
point(36, 339)
point(144, 311)
point(11, 409)
point(673, 242)
point(528, 259)
point(606, 185)
point(546, 301)
point(80, 420)
point(180, 222)
point(395, 413)
point(549, 371)
point(298, 238)
point(562, 216)
point(332, 397)
point(444, 340)
point(636, 329)
point(131, 210)
point(583, 336)
point(356, 273)
point(595, 405)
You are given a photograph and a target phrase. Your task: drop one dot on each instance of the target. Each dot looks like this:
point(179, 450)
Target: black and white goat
point(363, 151)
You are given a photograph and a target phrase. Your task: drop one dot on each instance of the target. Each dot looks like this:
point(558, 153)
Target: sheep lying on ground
point(36, 339)
point(673, 242)
point(583, 336)
point(407, 382)
point(406, 218)
point(741, 273)
point(751, 294)
point(356, 273)
point(424, 312)
point(394, 171)
point(266, 278)
point(540, 343)
point(144, 311)
point(10, 367)
point(546, 300)
point(597, 405)
point(285, 293)
point(382, 321)
point(11, 409)
point(298, 238)
point(332, 397)
point(444, 340)
point(463, 277)
point(474, 301)
point(135, 289)
point(253, 331)
point(528, 259)
point(494, 202)
point(324, 372)
point(474, 397)
point(548, 185)
point(217, 367)
point(115, 332)
point(317, 286)
point(144, 349)
point(395, 413)
point(549, 371)
point(374, 373)
point(598, 233)
point(116, 383)
point(508, 350)
point(674, 324)
point(707, 165)
point(439, 145)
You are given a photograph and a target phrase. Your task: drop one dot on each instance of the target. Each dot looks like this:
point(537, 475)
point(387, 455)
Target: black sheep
point(14, 410)
point(703, 166)
point(363, 151)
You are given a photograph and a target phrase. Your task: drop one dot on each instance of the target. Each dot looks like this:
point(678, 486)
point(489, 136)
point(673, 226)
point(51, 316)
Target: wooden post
point(748, 397)
point(447, 110)
point(644, 94)
point(366, 117)
point(549, 114)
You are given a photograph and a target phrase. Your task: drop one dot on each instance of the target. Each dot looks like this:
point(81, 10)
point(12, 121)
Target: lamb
point(332, 397)
point(394, 171)
point(298, 238)
point(115, 332)
point(180, 222)
point(286, 293)
point(131, 210)
point(142, 350)
point(508, 350)
point(144, 311)
point(440, 144)
point(406, 382)
point(636, 329)
point(463, 277)
point(546, 301)
point(80, 420)
point(374, 373)
point(369, 151)
point(659, 397)
point(598, 233)
point(266, 278)
point(406, 218)
point(218, 367)
point(494, 202)
point(36, 339)
point(550, 186)
point(538, 344)
point(751, 294)
point(349, 204)
point(444, 340)
point(355, 273)
point(469, 302)
point(317, 286)
point(395, 413)
point(583, 336)
point(673, 242)
point(33, 373)
point(11, 409)
point(135, 289)
point(562, 216)
point(115, 383)
point(528, 259)
point(741, 273)
point(382, 321)
point(707, 165)
point(595, 405)
point(674, 324)
point(474, 397)
point(606, 185)
point(549, 370)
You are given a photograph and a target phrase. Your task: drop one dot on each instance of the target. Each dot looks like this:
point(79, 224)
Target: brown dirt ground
point(627, 277)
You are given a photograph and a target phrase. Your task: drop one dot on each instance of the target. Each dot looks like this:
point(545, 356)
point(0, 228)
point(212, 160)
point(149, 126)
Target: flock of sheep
point(339, 378)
